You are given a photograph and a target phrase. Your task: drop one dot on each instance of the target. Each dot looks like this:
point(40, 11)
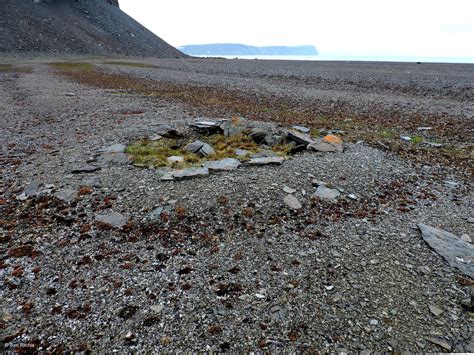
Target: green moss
point(156, 153)
point(72, 66)
point(417, 139)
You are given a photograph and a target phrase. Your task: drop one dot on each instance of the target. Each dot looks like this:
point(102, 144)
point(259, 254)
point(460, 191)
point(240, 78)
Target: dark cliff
point(96, 27)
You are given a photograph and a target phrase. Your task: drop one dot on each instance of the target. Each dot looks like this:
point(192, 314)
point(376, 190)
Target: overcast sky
point(346, 27)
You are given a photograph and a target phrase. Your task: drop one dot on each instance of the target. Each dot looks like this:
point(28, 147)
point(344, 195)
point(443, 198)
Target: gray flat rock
point(227, 164)
point(289, 190)
point(322, 146)
point(301, 129)
point(114, 148)
point(458, 253)
point(326, 193)
point(184, 174)
point(113, 219)
point(66, 195)
point(292, 202)
point(194, 146)
point(266, 161)
point(300, 137)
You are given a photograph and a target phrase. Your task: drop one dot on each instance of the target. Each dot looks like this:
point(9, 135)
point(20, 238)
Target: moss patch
point(148, 153)
point(72, 66)
point(8, 68)
point(130, 64)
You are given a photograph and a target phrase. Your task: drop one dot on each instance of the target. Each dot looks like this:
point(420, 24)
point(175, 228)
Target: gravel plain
point(225, 265)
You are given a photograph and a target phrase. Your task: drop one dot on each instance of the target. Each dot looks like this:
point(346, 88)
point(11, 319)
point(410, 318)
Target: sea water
point(413, 59)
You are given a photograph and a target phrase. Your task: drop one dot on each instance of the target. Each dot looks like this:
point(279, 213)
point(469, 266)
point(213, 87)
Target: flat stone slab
point(292, 202)
point(302, 129)
point(114, 148)
point(227, 164)
point(113, 219)
point(300, 137)
point(266, 161)
point(185, 174)
point(326, 193)
point(66, 195)
point(329, 143)
point(458, 253)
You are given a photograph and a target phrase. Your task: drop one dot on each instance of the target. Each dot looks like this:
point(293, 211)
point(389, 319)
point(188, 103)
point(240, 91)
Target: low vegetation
point(149, 153)
point(8, 68)
point(130, 64)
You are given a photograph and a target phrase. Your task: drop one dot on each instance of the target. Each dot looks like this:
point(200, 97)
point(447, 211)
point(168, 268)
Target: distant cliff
point(242, 49)
point(76, 27)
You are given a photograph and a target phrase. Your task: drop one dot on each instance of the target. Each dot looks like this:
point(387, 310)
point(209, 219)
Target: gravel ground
point(228, 266)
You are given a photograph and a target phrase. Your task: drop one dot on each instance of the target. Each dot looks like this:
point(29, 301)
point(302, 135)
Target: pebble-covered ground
point(222, 263)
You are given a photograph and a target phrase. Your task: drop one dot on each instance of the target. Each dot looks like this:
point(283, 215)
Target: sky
point(442, 28)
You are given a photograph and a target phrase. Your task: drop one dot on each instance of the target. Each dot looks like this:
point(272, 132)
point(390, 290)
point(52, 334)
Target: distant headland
point(242, 49)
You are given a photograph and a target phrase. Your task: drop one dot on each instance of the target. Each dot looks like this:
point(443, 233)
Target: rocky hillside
point(76, 27)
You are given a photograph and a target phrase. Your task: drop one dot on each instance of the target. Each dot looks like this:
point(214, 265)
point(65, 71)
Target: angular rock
point(113, 219)
point(227, 164)
point(288, 190)
point(200, 148)
point(440, 342)
point(207, 127)
point(300, 137)
point(205, 150)
point(435, 310)
point(458, 253)
point(292, 202)
point(114, 148)
point(301, 129)
point(184, 174)
point(326, 193)
point(329, 143)
point(266, 161)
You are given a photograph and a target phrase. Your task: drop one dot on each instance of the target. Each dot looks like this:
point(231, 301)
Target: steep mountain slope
point(76, 26)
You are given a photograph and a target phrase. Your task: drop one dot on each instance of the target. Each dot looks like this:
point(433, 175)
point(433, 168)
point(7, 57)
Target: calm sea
point(469, 60)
